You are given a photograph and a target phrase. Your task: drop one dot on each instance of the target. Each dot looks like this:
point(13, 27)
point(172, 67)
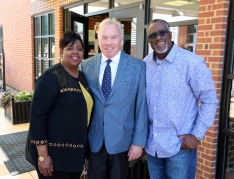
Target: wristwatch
point(42, 158)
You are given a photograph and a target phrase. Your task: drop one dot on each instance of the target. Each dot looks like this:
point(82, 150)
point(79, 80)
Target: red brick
point(217, 6)
point(207, 2)
point(206, 14)
point(219, 19)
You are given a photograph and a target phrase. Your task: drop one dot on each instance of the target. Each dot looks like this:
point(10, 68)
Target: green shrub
point(23, 96)
point(8, 96)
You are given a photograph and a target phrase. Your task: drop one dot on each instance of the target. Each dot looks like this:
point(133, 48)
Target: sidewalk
point(6, 128)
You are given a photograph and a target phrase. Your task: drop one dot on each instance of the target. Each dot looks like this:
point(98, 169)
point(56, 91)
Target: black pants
point(60, 175)
point(102, 165)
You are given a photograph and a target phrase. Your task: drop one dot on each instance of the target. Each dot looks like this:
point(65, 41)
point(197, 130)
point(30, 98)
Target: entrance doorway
point(132, 20)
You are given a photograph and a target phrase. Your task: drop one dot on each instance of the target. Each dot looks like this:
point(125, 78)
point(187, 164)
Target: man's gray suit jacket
point(122, 119)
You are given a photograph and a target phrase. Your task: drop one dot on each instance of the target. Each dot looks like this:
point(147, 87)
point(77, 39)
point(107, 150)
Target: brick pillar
point(58, 15)
point(212, 26)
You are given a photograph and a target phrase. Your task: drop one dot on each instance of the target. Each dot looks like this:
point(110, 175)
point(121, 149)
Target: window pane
point(79, 28)
point(38, 67)
point(118, 3)
point(45, 64)
point(44, 42)
point(37, 26)
point(45, 25)
point(44, 46)
point(78, 10)
point(97, 6)
point(231, 110)
point(129, 34)
point(51, 23)
point(52, 47)
point(37, 48)
point(230, 158)
point(51, 62)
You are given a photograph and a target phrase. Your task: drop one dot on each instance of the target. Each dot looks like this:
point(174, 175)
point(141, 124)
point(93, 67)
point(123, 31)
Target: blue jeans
point(180, 166)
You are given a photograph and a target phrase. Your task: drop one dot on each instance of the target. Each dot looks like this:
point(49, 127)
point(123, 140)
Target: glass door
point(79, 24)
point(132, 20)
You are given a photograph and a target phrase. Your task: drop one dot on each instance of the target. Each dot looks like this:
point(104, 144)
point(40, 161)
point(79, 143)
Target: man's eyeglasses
point(154, 35)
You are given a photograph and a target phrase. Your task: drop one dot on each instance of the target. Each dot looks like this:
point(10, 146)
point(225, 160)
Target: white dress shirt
point(114, 66)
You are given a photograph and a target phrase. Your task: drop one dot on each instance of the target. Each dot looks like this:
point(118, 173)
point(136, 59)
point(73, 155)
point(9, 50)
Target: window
point(44, 45)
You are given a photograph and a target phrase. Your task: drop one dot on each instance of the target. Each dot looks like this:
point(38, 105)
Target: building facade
point(31, 31)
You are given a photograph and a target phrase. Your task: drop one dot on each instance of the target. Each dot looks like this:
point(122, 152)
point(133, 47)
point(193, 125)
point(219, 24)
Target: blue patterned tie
point(106, 81)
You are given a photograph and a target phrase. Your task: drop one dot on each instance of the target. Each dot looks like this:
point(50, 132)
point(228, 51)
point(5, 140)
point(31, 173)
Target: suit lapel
point(96, 70)
point(123, 61)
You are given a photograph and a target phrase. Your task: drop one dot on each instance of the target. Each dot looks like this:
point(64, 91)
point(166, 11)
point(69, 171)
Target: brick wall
point(0, 12)
point(40, 6)
point(58, 15)
point(17, 33)
point(212, 27)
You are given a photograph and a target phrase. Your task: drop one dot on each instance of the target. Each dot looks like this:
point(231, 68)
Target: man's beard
point(161, 51)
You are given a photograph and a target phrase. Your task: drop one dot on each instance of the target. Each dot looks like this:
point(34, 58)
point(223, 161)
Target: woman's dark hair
point(69, 36)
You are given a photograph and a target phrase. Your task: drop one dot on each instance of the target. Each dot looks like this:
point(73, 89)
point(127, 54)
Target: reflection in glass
point(52, 47)
point(37, 48)
point(37, 26)
point(79, 28)
point(231, 110)
point(44, 42)
point(38, 67)
point(129, 38)
point(191, 29)
point(97, 6)
point(45, 64)
point(45, 25)
point(118, 3)
point(189, 39)
point(51, 23)
point(230, 158)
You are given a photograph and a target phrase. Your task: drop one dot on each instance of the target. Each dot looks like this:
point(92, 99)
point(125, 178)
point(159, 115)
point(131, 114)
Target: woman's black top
point(59, 119)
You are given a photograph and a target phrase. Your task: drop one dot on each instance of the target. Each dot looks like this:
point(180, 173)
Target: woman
point(60, 115)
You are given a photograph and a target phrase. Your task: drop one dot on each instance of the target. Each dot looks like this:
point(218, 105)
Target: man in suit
point(119, 123)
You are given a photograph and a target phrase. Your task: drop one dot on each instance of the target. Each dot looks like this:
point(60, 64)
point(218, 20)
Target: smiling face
point(159, 38)
point(72, 55)
point(109, 40)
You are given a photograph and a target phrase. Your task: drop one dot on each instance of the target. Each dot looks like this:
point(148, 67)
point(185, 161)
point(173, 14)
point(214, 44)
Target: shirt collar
point(114, 59)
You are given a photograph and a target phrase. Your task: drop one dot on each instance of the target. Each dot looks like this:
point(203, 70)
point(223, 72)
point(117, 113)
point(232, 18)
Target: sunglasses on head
point(161, 33)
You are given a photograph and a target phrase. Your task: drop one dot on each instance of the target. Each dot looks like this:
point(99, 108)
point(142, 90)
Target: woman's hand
point(46, 166)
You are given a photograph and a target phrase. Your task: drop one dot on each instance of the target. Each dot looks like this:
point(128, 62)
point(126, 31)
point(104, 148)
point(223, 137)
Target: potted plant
point(17, 106)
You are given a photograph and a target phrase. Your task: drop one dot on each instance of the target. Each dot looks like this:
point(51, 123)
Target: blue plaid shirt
point(174, 87)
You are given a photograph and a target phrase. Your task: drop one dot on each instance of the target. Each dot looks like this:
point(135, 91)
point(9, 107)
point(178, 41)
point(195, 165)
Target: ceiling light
point(117, 4)
point(179, 3)
point(180, 12)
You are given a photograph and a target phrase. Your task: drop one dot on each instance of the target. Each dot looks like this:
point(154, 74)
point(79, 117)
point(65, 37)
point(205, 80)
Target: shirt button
point(105, 106)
